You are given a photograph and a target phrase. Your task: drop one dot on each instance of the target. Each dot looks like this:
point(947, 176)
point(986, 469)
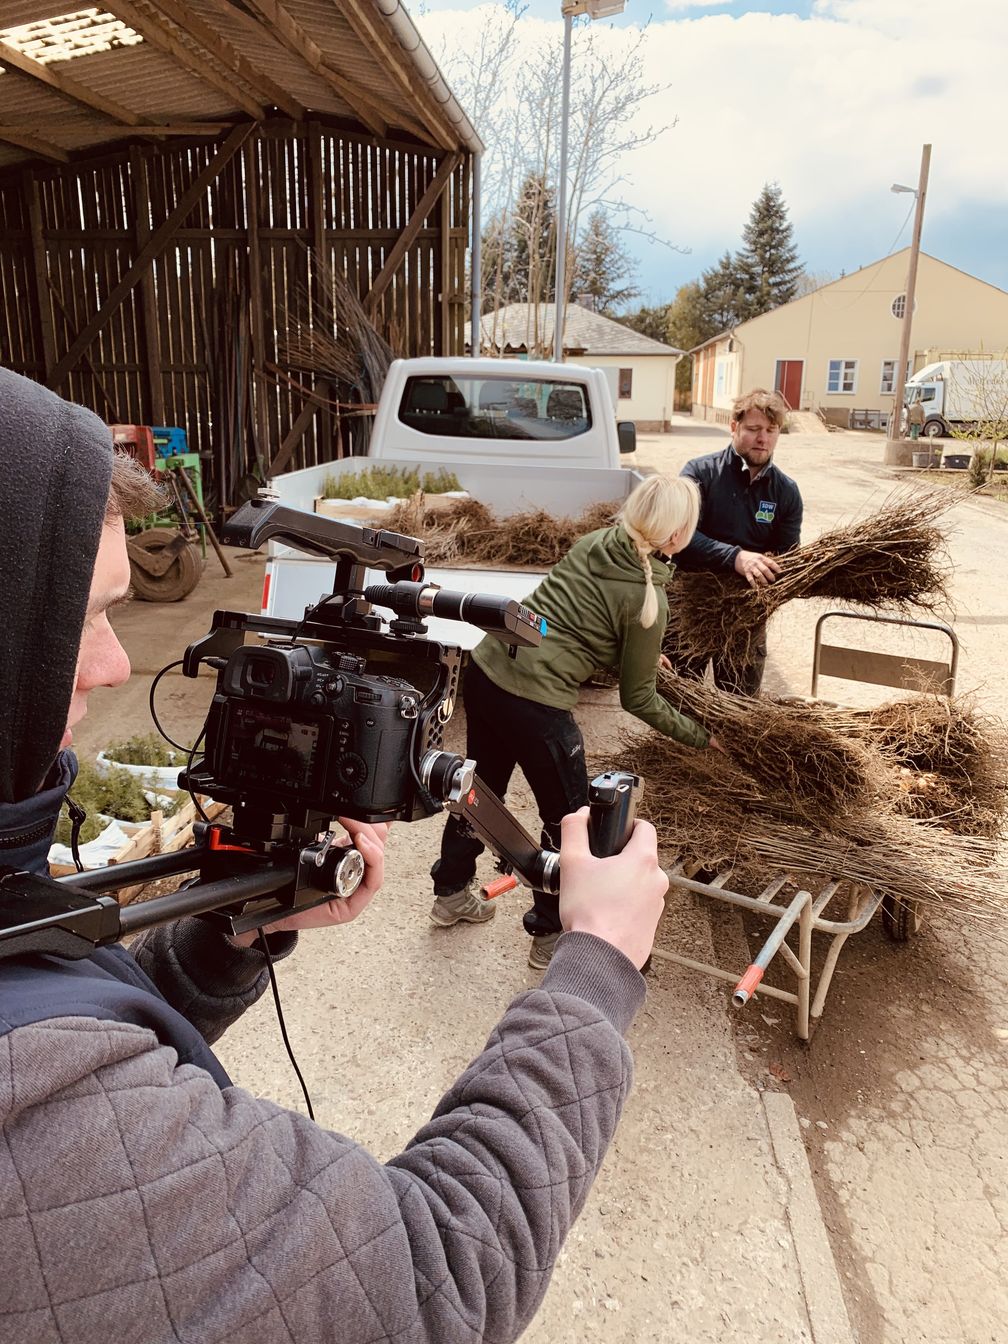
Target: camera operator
point(605, 605)
point(142, 1195)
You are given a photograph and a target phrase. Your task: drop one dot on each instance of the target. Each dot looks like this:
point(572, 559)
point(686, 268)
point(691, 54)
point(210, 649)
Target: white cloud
point(835, 107)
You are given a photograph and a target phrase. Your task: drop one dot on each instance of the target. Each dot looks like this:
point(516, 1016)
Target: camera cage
point(272, 862)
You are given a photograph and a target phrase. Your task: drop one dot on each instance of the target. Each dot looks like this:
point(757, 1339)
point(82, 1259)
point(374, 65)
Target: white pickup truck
point(518, 435)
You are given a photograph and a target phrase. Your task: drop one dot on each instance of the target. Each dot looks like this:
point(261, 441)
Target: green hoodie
point(591, 601)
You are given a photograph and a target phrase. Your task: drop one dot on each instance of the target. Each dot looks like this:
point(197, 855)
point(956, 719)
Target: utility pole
point(560, 271)
point(897, 450)
point(569, 10)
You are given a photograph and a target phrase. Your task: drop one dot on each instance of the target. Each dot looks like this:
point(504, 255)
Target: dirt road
point(689, 1234)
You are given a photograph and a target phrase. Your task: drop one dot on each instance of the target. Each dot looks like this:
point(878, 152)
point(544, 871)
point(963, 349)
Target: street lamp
point(896, 453)
point(570, 9)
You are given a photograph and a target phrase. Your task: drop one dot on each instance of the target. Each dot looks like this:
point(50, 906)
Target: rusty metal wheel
point(901, 919)
point(164, 566)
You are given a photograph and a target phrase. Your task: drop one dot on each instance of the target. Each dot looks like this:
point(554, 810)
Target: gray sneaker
point(541, 951)
point(465, 905)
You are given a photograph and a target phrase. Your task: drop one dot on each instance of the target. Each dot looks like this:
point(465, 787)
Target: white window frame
point(842, 390)
point(891, 389)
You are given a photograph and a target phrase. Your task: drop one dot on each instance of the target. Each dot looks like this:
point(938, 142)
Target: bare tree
point(510, 82)
point(979, 388)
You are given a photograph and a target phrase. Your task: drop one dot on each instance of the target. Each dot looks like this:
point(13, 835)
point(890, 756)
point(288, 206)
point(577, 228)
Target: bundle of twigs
point(790, 749)
point(703, 805)
point(339, 340)
point(950, 760)
point(930, 757)
point(894, 558)
point(467, 531)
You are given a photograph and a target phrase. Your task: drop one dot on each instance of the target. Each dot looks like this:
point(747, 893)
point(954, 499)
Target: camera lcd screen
point(274, 748)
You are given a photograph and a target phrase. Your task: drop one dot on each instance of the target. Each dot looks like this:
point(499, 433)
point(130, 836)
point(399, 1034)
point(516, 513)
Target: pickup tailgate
point(295, 581)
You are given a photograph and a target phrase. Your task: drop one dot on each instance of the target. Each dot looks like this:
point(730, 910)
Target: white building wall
point(653, 386)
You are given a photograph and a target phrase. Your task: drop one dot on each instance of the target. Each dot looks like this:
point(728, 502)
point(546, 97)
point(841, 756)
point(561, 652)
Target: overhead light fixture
point(897, 188)
point(595, 9)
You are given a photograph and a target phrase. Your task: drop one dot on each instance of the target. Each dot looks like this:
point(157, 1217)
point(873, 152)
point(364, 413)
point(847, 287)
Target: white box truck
point(956, 393)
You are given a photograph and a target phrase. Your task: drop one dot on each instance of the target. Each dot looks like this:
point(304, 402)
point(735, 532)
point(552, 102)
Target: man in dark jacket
point(749, 512)
point(145, 1197)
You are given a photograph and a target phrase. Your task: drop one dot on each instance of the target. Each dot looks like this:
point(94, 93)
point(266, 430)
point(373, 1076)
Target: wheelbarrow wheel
point(901, 919)
point(181, 576)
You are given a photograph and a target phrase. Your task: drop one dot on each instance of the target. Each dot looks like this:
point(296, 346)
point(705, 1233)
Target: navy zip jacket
point(738, 513)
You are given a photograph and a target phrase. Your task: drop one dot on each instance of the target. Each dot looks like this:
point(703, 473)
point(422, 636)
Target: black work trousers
point(744, 682)
point(502, 731)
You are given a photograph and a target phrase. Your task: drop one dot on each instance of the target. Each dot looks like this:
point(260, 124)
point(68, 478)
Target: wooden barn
point(227, 215)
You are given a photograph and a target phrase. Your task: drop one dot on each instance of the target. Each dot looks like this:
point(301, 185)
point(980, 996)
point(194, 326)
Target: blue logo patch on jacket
point(765, 512)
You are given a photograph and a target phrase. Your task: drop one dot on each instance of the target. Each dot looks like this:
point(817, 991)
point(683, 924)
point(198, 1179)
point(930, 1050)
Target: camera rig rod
point(612, 802)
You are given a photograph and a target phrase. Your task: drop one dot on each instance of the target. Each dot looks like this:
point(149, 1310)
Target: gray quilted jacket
point(141, 1202)
point(142, 1196)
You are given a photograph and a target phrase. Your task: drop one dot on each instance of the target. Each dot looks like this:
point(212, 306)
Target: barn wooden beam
point(315, 401)
point(66, 86)
point(286, 30)
point(151, 333)
point(374, 33)
point(43, 149)
point(155, 244)
point(41, 268)
point(257, 320)
point(164, 130)
point(55, 126)
point(413, 226)
point(158, 35)
point(185, 18)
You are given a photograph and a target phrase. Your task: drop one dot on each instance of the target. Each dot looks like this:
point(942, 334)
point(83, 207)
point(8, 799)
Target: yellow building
point(835, 350)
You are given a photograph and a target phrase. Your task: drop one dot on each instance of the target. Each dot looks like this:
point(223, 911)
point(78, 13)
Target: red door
point(788, 380)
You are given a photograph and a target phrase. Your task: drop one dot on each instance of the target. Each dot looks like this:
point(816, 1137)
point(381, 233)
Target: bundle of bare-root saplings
point(808, 789)
point(467, 532)
point(895, 558)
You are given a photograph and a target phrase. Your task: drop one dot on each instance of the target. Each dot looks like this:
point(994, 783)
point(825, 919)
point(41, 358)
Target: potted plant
point(367, 493)
point(117, 807)
point(144, 757)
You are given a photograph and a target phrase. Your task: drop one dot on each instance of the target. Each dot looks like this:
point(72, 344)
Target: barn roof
point(76, 82)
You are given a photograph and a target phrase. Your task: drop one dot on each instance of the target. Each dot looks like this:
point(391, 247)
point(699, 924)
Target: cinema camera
point(339, 714)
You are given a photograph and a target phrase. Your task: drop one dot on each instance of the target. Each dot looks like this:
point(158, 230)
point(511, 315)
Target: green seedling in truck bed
point(383, 482)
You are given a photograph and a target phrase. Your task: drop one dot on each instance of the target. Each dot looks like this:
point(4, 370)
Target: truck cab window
point(495, 408)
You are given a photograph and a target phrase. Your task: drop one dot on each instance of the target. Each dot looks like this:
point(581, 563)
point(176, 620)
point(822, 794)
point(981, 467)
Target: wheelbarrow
point(840, 907)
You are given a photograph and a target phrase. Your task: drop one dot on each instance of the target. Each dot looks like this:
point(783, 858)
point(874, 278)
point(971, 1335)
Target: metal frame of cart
point(808, 913)
point(900, 919)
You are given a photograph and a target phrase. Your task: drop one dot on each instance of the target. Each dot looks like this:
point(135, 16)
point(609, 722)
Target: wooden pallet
point(160, 835)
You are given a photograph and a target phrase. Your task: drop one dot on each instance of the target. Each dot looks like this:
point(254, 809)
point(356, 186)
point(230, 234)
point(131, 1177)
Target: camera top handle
point(262, 520)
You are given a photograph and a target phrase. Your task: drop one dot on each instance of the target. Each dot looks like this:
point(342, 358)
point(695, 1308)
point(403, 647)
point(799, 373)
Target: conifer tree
point(768, 265)
point(519, 248)
point(603, 268)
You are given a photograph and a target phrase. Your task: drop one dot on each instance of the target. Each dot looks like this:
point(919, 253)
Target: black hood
point(55, 466)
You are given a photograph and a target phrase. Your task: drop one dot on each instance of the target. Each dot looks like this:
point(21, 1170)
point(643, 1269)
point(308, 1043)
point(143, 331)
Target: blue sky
point(832, 99)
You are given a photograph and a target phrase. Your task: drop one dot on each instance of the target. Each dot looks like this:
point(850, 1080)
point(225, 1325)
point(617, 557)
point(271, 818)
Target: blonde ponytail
point(659, 508)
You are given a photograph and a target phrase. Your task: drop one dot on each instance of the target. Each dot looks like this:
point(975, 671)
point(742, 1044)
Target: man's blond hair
point(771, 404)
point(133, 493)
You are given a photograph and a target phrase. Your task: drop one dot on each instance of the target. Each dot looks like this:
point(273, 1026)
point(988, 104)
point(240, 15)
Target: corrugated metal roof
point(517, 325)
point(220, 60)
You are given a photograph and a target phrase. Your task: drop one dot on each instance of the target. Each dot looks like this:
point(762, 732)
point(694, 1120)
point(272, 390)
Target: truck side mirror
point(626, 433)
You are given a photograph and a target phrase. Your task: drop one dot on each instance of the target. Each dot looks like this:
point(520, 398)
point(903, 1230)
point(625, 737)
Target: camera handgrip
point(612, 799)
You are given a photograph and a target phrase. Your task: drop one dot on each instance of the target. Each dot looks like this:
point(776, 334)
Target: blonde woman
point(605, 606)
